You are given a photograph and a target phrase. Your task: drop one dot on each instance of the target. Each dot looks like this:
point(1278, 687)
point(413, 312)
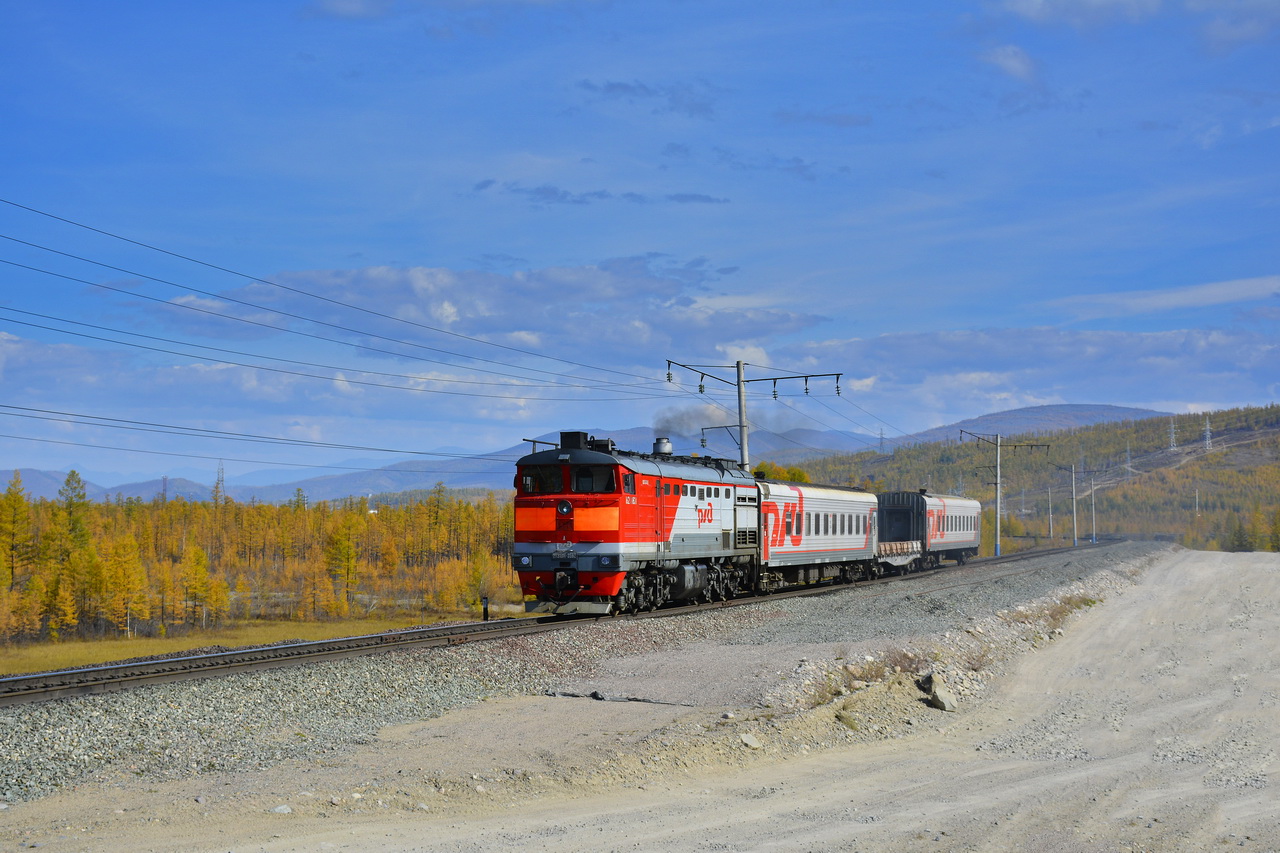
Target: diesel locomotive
point(600, 530)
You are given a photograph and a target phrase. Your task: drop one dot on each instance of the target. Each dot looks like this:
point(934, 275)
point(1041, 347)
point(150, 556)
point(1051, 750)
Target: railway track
point(16, 690)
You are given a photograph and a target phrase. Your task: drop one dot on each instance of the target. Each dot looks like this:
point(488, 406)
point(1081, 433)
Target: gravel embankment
point(788, 655)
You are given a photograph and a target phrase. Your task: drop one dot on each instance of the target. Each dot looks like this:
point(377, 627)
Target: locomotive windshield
point(542, 480)
point(593, 479)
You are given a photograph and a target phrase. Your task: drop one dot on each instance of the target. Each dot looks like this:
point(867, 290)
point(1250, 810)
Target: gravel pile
point(849, 643)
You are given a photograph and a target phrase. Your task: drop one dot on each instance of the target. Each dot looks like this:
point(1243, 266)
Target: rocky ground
point(1120, 699)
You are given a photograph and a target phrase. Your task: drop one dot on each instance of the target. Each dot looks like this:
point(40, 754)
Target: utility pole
point(999, 484)
point(744, 457)
point(1051, 513)
point(1075, 519)
point(1075, 527)
point(1093, 510)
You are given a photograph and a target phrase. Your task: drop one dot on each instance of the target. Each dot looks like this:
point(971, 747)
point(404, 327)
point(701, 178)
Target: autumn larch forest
point(72, 567)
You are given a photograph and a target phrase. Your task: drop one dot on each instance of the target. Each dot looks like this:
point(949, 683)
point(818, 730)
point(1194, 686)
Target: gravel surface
point(1119, 699)
point(782, 655)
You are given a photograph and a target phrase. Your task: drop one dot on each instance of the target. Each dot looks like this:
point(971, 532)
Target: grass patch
point(40, 657)
point(976, 660)
point(905, 660)
point(1055, 615)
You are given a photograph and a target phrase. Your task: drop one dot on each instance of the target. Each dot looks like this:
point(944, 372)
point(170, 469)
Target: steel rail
point(39, 687)
point(20, 689)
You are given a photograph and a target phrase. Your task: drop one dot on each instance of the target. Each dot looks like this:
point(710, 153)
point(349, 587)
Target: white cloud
point(1083, 11)
point(612, 307)
point(1012, 60)
point(355, 9)
point(1230, 22)
point(925, 379)
point(1236, 22)
point(1137, 302)
point(755, 355)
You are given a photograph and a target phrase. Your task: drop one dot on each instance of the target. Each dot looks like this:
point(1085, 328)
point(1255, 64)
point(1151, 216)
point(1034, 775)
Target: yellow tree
point(194, 574)
point(126, 583)
point(342, 555)
point(62, 611)
point(16, 540)
point(219, 599)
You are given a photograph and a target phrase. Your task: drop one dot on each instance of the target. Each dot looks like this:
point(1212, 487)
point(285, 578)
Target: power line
point(301, 292)
point(284, 329)
point(204, 432)
point(329, 379)
point(267, 357)
point(231, 459)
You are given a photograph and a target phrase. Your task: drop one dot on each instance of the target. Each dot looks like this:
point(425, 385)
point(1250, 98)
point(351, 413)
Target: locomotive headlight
point(564, 507)
point(524, 560)
point(606, 562)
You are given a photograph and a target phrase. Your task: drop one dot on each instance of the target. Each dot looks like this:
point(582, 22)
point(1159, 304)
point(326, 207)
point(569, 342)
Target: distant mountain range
point(495, 470)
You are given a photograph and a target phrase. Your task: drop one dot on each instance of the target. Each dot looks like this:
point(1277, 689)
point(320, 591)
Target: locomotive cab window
point(593, 479)
point(542, 480)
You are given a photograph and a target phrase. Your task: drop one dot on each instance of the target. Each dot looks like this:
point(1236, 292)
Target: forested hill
point(1038, 420)
point(1138, 483)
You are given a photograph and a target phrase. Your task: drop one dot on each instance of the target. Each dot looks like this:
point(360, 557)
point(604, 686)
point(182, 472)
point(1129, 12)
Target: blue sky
point(459, 224)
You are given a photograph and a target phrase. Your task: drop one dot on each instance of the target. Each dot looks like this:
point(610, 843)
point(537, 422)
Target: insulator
point(806, 385)
point(704, 441)
point(702, 388)
point(837, 389)
point(670, 378)
point(775, 389)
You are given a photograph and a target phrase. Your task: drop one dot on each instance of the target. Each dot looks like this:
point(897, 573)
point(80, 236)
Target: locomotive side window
point(595, 479)
point(542, 480)
point(666, 488)
point(629, 483)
